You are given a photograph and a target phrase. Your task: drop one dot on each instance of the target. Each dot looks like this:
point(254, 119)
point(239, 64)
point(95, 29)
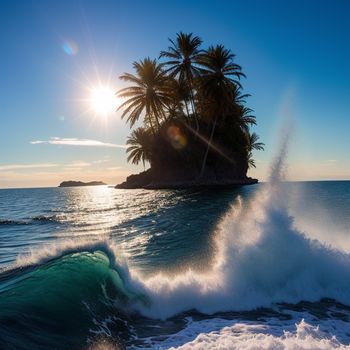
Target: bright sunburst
point(103, 100)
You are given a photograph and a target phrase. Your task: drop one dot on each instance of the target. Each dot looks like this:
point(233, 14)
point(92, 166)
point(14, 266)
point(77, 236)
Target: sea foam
point(228, 335)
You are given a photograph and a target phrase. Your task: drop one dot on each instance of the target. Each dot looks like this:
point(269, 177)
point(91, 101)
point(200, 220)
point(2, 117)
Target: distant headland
point(196, 126)
point(80, 183)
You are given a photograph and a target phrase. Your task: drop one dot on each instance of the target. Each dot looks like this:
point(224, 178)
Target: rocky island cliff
point(177, 161)
point(145, 180)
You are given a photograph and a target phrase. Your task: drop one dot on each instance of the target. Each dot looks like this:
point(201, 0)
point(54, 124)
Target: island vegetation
point(196, 127)
point(71, 183)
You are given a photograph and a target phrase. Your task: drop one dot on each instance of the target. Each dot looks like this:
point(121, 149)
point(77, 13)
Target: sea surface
point(265, 266)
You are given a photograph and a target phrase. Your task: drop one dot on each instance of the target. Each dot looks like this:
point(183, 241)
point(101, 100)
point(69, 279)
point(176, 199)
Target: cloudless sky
point(296, 55)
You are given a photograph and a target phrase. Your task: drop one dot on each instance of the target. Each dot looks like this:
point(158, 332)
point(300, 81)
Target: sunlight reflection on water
point(149, 226)
point(155, 229)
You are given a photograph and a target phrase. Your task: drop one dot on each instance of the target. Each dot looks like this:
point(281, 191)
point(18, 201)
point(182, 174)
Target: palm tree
point(148, 93)
point(183, 55)
point(220, 77)
point(250, 160)
point(179, 93)
point(253, 144)
point(139, 146)
point(245, 118)
point(219, 84)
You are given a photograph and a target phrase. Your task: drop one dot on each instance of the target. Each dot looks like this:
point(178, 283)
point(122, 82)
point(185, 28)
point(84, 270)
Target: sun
point(103, 100)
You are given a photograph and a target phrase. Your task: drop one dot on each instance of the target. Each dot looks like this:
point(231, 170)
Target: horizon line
point(108, 184)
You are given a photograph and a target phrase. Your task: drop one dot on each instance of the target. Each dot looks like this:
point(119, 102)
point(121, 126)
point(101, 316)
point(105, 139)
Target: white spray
point(261, 259)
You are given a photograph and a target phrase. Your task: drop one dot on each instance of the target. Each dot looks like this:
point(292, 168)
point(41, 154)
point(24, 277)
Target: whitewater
point(146, 279)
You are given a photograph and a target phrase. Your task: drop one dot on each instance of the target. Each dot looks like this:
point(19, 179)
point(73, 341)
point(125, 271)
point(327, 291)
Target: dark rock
point(148, 180)
point(140, 180)
point(173, 166)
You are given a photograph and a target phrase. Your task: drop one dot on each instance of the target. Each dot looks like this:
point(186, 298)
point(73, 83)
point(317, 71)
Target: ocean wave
point(36, 219)
point(12, 222)
point(47, 218)
point(63, 295)
point(261, 259)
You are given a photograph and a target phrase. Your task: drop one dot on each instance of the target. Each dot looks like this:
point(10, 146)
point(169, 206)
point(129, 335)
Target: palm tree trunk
point(194, 112)
point(193, 106)
point(187, 113)
point(208, 147)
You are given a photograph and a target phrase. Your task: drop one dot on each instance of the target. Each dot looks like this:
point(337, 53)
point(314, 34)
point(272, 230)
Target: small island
point(196, 126)
point(80, 183)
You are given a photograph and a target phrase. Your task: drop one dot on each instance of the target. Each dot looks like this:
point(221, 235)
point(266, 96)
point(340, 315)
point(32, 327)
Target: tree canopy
point(197, 92)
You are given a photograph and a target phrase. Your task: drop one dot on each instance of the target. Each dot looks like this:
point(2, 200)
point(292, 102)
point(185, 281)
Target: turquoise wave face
point(57, 304)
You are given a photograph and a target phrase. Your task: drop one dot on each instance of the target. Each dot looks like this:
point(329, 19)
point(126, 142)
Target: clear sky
point(296, 55)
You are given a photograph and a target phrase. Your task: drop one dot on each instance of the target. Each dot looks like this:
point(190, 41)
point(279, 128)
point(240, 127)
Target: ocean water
point(265, 266)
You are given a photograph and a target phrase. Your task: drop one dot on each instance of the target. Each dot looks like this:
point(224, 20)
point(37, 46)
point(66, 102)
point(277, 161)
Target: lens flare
point(70, 47)
point(177, 138)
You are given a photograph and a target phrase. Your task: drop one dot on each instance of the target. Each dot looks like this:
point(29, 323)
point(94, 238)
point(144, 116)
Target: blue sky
point(295, 54)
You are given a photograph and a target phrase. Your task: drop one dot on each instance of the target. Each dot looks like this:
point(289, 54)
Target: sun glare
point(103, 100)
